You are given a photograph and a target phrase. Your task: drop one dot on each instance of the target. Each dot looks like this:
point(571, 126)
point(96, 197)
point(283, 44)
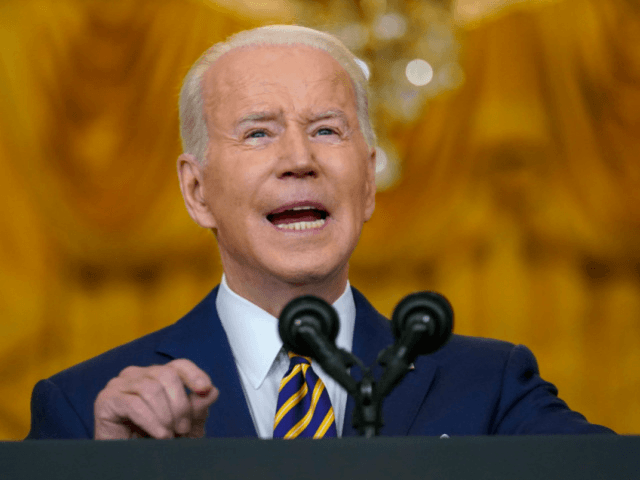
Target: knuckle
point(130, 406)
point(113, 384)
point(181, 363)
point(147, 418)
point(173, 387)
point(167, 374)
point(154, 369)
point(180, 410)
point(103, 396)
point(99, 402)
point(130, 371)
point(185, 366)
point(152, 390)
point(167, 377)
point(110, 390)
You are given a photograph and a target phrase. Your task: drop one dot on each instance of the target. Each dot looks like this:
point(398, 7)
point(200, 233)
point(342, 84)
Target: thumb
point(200, 403)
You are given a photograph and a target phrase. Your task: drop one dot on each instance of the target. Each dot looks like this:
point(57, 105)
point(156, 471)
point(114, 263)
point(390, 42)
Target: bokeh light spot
point(419, 72)
point(390, 26)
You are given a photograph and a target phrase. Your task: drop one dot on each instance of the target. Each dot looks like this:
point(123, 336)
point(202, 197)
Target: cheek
point(215, 189)
point(359, 185)
point(233, 180)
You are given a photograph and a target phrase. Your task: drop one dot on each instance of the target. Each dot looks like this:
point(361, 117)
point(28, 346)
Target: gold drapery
point(519, 199)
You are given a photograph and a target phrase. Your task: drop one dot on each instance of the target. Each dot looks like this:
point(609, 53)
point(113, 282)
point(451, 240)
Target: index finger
point(192, 376)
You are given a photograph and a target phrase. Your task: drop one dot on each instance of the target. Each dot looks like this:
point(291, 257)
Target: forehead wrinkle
point(340, 97)
point(332, 106)
point(254, 111)
point(223, 81)
point(230, 82)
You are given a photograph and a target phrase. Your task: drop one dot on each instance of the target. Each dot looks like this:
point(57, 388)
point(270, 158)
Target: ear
point(370, 195)
point(192, 187)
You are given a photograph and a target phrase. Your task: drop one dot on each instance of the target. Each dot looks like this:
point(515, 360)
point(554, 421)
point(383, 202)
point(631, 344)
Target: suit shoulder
point(475, 353)
point(478, 345)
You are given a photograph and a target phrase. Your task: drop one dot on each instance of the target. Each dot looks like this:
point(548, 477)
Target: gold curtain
point(96, 246)
point(519, 198)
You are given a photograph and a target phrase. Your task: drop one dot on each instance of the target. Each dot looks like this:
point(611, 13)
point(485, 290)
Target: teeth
point(302, 208)
point(302, 225)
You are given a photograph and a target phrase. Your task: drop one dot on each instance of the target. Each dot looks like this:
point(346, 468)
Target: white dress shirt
point(261, 360)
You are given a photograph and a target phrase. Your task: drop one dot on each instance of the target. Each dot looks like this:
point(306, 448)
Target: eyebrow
point(263, 116)
point(339, 114)
point(270, 115)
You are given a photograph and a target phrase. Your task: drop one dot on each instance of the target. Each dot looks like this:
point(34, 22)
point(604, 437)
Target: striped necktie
point(304, 408)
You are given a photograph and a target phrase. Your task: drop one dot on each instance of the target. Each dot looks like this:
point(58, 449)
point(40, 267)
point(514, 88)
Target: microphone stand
point(367, 415)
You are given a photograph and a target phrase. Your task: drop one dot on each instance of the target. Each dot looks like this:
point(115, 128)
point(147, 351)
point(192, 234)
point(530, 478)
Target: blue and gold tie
point(304, 408)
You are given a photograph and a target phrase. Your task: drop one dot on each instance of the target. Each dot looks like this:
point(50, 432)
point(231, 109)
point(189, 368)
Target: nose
point(296, 158)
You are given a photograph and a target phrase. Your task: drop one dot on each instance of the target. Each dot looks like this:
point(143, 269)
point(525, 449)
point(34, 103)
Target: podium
point(479, 458)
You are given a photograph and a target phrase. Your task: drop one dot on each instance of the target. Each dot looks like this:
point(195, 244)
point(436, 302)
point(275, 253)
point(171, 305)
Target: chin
point(319, 273)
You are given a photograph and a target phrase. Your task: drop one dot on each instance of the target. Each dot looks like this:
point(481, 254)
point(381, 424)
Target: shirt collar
point(253, 333)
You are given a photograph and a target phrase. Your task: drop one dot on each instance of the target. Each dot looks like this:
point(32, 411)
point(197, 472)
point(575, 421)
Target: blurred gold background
point(516, 194)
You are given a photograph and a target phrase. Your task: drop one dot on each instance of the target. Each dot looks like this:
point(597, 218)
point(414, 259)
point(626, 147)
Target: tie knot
point(298, 359)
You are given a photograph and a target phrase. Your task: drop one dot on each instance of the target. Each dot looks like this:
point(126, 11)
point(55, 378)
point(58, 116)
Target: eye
point(257, 134)
point(326, 131)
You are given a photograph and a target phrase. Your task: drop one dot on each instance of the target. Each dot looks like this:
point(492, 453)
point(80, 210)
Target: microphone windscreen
point(427, 308)
point(307, 311)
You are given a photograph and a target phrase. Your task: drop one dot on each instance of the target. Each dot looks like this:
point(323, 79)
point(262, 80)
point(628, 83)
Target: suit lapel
point(372, 333)
point(200, 337)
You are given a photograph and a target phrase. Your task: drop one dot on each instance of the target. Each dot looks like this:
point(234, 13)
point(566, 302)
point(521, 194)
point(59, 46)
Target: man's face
point(288, 179)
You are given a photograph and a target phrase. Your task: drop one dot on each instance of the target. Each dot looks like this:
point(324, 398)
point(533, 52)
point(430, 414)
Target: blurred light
point(419, 72)
point(364, 67)
point(390, 26)
point(387, 167)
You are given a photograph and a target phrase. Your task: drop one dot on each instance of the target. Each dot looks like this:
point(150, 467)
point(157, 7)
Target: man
point(279, 163)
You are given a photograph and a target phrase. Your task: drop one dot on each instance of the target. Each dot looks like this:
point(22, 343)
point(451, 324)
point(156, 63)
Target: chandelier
point(408, 49)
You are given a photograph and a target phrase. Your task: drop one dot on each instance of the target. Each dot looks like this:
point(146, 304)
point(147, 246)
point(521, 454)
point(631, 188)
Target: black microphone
point(421, 323)
point(309, 326)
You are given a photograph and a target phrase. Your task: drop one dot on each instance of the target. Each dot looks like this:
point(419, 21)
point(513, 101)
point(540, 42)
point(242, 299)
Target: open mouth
point(299, 218)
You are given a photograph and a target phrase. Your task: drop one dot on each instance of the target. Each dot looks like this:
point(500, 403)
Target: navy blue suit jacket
point(472, 386)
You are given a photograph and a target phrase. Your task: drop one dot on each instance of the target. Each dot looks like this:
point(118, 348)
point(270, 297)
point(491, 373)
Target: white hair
point(193, 127)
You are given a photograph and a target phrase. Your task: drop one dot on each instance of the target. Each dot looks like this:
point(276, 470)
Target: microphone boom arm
point(399, 359)
point(325, 355)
